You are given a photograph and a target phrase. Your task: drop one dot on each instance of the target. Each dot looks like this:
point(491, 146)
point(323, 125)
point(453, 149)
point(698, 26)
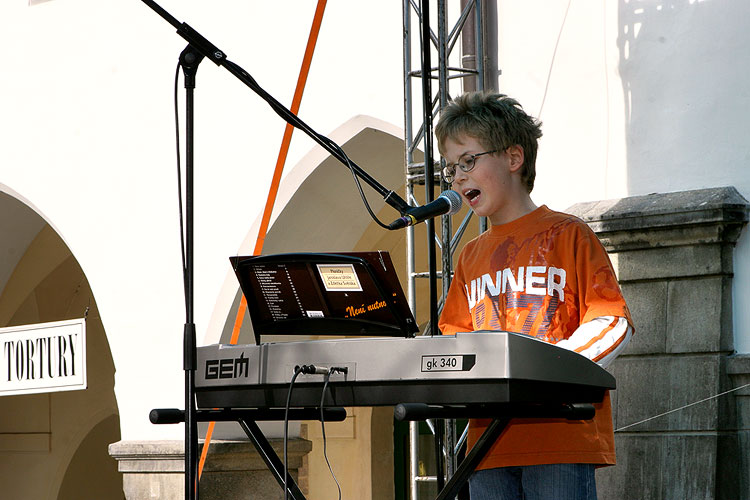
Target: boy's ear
point(515, 153)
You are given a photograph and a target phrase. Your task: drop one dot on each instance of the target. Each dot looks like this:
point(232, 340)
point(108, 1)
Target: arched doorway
point(55, 443)
point(318, 209)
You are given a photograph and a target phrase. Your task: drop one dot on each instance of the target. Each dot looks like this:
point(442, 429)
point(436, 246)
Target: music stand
point(347, 294)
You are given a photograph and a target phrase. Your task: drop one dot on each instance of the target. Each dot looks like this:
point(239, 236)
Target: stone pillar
point(155, 469)
point(673, 256)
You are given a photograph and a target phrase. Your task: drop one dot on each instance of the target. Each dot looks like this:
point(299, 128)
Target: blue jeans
point(535, 482)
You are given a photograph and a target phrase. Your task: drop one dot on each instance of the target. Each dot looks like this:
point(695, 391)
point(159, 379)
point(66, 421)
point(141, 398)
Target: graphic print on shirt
point(524, 302)
point(477, 301)
point(526, 299)
point(544, 276)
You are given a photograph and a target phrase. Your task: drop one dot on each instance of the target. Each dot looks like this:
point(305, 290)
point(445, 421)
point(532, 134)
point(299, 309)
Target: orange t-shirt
point(543, 275)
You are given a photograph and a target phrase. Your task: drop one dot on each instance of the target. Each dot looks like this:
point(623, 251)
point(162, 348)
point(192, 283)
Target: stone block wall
point(673, 256)
point(234, 469)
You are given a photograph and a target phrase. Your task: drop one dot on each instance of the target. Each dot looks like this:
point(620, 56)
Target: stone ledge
point(169, 456)
point(155, 469)
point(701, 206)
point(714, 215)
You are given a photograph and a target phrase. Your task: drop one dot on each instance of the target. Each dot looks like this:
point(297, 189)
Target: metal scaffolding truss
point(475, 68)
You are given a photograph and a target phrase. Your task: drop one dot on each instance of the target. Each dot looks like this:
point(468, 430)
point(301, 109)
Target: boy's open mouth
point(471, 194)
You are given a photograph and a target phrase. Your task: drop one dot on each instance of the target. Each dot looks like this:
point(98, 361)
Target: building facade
point(636, 98)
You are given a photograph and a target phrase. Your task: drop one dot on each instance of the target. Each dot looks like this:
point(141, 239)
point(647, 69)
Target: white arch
point(318, 207)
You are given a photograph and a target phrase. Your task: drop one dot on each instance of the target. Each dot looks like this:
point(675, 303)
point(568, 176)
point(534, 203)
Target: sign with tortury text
point(47, 357)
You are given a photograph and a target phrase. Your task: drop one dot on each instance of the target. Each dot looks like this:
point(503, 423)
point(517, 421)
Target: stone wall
point(673, 256)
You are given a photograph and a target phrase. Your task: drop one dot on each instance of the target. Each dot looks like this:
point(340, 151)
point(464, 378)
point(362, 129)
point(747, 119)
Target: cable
point(296, 122)
point(361, 192)
point(326, 378)
point(682, 407)
point(552, 62)
point(309, 370)
point(297, 371)
point(179, 181)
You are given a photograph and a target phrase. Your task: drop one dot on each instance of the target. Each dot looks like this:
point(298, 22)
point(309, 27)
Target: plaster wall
point(636, 97)
point(87, 137)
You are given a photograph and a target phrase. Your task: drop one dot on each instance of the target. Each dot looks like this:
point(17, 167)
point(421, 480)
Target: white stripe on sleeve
point(601, 339)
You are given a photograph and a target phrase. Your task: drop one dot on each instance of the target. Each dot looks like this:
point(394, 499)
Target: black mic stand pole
point(199, 47)
point(429, 168)
point(212, 53)
point(429, 183)
point(189, 60)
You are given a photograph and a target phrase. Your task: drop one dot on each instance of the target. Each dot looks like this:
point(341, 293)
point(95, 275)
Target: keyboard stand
point(248, 421)
point(270, 457)
point(501, 415)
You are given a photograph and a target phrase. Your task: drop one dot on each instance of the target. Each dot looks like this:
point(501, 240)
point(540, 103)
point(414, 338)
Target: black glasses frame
point(466, 165)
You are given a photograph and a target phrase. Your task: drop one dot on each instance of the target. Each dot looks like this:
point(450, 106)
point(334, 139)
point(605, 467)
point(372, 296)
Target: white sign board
point(47, 357)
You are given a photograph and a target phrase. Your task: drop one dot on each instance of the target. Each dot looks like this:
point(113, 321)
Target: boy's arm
point(601, 339)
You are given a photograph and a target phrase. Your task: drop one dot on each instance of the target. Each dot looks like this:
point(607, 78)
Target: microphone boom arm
point(211, 52)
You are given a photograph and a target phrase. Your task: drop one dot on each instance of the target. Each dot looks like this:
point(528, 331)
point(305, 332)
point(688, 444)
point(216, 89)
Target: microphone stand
point(429, 182)
point(199, 47)
point(190, 59)
point(211, 52)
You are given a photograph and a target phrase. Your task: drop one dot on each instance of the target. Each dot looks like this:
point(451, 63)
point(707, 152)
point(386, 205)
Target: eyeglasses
point(466, 165)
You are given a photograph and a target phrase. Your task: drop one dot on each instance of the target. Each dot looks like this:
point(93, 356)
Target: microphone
point(449, 202)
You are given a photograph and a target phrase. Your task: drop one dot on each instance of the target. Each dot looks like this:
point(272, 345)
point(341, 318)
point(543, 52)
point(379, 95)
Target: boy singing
point(534, 271)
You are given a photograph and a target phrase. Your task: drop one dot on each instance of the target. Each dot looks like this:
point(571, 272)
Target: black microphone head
point(433, 209)
point(454, 200)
